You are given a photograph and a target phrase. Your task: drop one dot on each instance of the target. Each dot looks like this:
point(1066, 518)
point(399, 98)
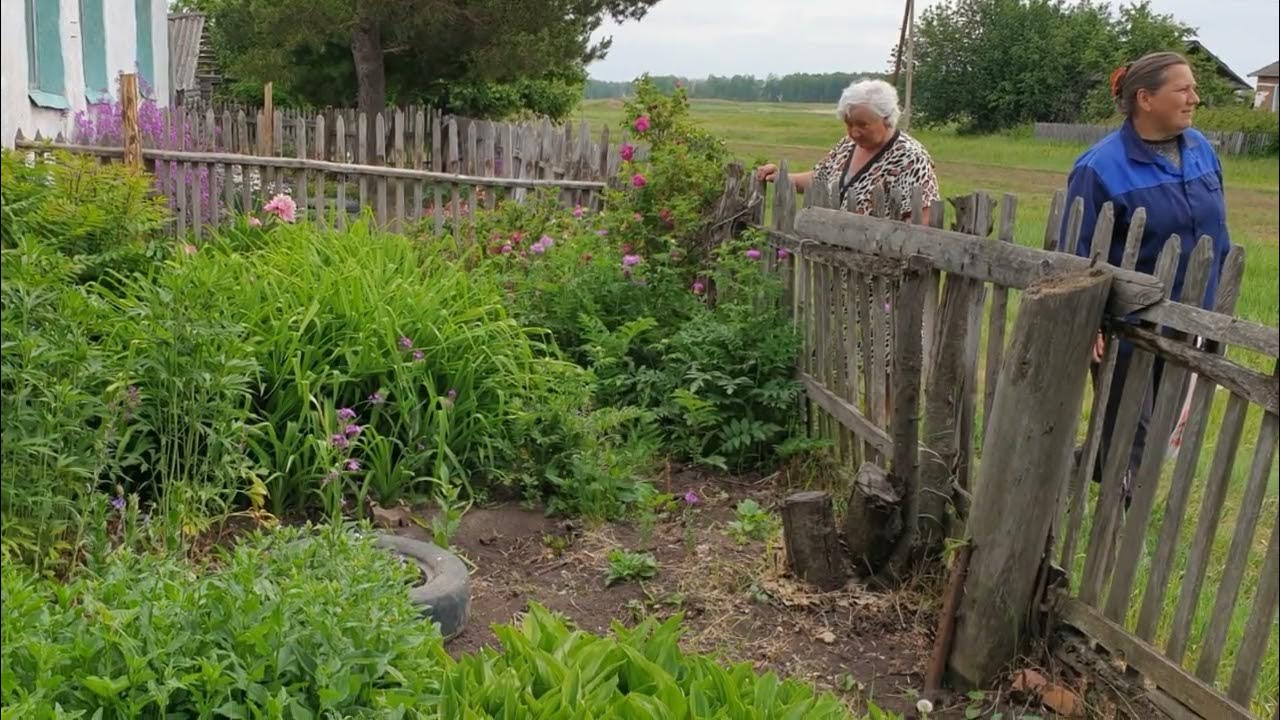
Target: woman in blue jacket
point(1157, 161)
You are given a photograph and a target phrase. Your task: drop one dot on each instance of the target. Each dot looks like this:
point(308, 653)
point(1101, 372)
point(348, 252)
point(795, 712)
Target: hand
point(768, 172)
point(1098, 347)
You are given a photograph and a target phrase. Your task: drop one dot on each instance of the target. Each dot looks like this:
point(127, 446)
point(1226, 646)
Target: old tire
point(445, 596)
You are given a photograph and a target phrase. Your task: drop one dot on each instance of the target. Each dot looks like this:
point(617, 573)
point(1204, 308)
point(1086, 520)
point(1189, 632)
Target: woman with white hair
point(873, 153)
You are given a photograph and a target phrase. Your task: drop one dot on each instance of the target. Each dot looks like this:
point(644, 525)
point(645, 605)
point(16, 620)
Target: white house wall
point(17, 112)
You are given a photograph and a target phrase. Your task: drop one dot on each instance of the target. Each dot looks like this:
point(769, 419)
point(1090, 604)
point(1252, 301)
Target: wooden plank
point(999, 313)
point(1148, 661)
point(162, 169)
point(1106, 515)
point(862, 298)
point(454, 162)
point(1215, 493)
point(1214, 639)
point(1100, 243)
point(1164, 416)
point(129, 113)
point(277, 140)
point(399, 156)
point(879, 352)
point(1259, 389)
point(228, 186)
point(340, 150)
point(1074, 220)
point(1133, 238)
point(1053, 228)
point(1258, 628)
point(1007, 264)
point(380, 159)
point(184, 172)
point(904, 424)
point(1214, 326)
point(419, 159)
point(300, 149)
point(322, 197)
point(1041, 390)
point(847, 415)
point(362, 157)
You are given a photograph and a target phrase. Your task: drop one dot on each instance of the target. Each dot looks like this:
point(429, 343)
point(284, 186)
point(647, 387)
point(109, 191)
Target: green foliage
point(752, 522)
point(992, 64)
point(625, 565)
point(291, 624)
point(473, 57)
point(547, 669)
point(102, 217)
point(793, 87)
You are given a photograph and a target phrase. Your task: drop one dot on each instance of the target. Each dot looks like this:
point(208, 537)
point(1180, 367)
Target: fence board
point(362, 157)
point(322, 195)
point(1227, 142)
point(380, 158)
point(1258, 627)
point(999, 314)
point(300, 150)
point(340, 150)
point(399, 161)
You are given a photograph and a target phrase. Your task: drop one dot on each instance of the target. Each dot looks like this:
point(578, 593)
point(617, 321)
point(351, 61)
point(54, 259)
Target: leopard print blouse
point(900, 167)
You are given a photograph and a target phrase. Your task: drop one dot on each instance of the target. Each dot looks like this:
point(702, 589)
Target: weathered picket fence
point(1230, 143)
point(984, 453)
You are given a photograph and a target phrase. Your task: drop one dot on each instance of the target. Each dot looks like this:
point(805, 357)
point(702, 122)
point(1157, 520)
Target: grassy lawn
point(1033, 171)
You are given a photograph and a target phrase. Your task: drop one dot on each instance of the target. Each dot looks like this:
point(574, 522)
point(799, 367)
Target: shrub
point(289, 624)
point(547, 669)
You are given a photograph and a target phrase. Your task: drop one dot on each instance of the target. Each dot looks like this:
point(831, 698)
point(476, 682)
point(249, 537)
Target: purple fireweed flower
point(782, 253)
point(698, 287)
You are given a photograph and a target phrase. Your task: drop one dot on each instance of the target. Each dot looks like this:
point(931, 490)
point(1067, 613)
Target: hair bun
point(1117, 79)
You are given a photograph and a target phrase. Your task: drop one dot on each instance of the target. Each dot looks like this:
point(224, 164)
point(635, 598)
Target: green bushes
point(285, 625)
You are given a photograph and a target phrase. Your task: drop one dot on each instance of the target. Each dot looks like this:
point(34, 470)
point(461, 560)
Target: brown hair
point(1145, 73)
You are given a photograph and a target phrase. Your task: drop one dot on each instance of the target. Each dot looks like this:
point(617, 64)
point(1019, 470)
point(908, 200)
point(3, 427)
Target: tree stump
point(813, 548)
point(873, 521)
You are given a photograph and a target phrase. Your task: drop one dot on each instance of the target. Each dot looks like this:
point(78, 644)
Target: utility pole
point(910, 29)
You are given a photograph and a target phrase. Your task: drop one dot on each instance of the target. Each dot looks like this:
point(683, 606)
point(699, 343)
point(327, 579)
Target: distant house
point(1268, 78)
point(1240, 85)
point(61, 55)
point(193, 70)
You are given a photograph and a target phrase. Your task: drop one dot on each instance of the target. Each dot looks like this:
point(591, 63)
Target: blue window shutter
point(146, 53)
point(44, 55)
point(93, 46)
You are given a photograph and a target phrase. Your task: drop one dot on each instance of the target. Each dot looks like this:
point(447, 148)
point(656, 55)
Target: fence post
point(129, 109)
point(266, 142)
point(1025, 463)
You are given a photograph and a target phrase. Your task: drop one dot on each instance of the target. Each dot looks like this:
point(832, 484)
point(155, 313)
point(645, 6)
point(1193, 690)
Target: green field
point(1033, 170)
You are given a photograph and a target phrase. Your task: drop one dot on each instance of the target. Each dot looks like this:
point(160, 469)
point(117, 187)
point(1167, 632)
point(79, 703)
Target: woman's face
point(866, 127)
point(1171, 107)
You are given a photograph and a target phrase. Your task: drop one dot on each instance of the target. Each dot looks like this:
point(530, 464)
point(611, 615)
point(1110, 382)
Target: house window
point(93, 46)
point(146, 53)
point(44, 55)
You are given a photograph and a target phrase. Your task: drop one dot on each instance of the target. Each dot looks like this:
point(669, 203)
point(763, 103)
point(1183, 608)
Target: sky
point(696, 38)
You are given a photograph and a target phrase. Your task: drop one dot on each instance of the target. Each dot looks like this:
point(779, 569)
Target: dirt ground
point(738, 601)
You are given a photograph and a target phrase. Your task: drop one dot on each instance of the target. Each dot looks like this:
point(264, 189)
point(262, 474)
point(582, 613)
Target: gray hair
point(878, 95)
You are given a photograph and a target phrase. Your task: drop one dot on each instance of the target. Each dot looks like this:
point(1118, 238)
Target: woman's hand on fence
point(1099, 346)
point(766, 173)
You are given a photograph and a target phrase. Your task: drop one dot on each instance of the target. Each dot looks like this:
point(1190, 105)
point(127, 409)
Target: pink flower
point(691, 498)
point(282, 206)
point(537, 248)
point(636, 216)
point(602, 233)
point(405, 342)
point(783, 254)
point(506, 249)
point(753, 254)
point(188, 248)
point(642, 124)
point(638, 180)
point(547, 241)
point(353, 465)
point(352, 430)
point(699, 287)
point(627, 151)
point(346, 414)
point(578, 211)
point(630, 260)
point(254, 222)
point(419, 356)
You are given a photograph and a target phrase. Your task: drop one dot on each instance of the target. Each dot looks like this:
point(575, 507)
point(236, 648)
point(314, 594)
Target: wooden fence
point(421, 166)
point(1230, 143)
point(889, 310)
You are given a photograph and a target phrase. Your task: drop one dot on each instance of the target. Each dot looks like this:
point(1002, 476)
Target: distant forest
point(797, 87)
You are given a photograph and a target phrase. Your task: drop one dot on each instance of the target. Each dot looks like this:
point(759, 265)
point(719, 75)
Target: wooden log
point(904, 426)
point(1006, 264)
point(809, 533)
point(129, 111)
point(873, 519)
point(1025, 461)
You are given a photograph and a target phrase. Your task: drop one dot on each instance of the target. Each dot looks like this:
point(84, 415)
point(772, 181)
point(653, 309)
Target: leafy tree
point(490, 57)
point(990, 64)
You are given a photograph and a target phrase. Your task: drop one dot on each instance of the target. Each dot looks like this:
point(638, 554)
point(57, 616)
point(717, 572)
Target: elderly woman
point(873, 153)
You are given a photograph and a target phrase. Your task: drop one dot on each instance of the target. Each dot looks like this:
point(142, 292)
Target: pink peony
point(638, 180)
point(254, 222)
point(282, 206)
point(642, 124)
point(627, 151)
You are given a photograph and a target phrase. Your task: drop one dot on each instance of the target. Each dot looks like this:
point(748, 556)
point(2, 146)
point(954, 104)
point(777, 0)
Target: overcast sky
point(696, 38)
